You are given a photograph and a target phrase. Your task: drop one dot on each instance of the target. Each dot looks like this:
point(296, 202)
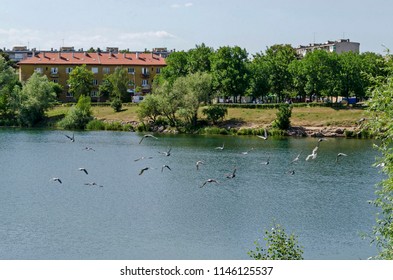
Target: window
point(158, 70)
point(94, 70)
point(145, 71)
point(68, 70)
point(131, 70)
point(69, 94)
point(106, 70)
point(145, 83)
point(39, 70)
point(54, 70)
point(94, 93)
point(95, 82)
point(55, 81)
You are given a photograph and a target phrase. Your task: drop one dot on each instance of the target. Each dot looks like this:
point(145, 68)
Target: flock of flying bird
point(56, 179)
point(198, 164)
point(232, 175)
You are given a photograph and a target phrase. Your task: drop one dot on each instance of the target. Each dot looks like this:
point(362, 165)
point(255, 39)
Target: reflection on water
point(167, 215)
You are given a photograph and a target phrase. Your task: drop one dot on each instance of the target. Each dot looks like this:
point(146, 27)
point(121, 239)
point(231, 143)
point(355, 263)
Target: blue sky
point(182, 24)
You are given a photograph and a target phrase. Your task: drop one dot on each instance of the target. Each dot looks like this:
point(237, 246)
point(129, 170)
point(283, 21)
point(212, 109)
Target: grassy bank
point(239, 117)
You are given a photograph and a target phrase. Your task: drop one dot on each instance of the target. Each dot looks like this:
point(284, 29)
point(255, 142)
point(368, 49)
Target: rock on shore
point(318, 131)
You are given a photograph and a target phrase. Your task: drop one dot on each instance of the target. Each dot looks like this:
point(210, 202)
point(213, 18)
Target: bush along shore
point(296, 131)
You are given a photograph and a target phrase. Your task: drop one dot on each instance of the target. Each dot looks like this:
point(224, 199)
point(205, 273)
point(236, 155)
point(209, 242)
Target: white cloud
point(151, 35)
point(44, 39)
point(186, 5)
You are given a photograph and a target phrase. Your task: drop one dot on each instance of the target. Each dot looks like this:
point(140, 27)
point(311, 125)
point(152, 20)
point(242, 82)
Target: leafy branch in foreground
point(380, 123)
point(279, 246)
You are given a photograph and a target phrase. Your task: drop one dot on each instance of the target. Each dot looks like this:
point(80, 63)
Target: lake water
point(166, 214)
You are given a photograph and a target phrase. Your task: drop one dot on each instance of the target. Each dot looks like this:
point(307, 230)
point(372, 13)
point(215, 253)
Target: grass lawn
point(301, 116)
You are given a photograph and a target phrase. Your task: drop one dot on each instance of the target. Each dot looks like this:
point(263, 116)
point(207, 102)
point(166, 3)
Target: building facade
point(57, 66)
point(18, 53)
point(340, 46)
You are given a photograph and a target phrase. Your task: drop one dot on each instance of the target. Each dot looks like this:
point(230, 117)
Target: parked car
point(137, 98)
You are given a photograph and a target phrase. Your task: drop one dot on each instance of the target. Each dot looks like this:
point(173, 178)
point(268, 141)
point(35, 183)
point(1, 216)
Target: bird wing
point(143, 170)
point(309, 156)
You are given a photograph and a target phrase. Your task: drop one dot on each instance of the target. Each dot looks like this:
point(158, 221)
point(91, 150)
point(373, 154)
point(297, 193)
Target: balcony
point(145, 75)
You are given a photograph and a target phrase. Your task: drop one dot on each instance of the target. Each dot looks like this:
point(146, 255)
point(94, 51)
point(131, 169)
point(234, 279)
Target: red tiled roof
point(81, 58)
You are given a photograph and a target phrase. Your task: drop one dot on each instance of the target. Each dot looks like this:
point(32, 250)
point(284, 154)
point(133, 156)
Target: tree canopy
point(80, 81)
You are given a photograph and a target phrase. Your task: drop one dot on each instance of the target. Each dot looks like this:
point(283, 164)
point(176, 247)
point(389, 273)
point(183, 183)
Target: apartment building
point(340, 46)
point(57, 65)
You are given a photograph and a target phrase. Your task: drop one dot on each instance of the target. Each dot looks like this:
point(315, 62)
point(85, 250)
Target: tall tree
point(299, 78)
point(176, 66)
point(230, 71)
point(259, 76)
point(380, 122)
point(8, 81)
point(36, 97)
point(199, 59)
point(279, 57)
point(351, 75)
point(80, 81)
point(321, 72)
point(197, 90)
point(373, 66)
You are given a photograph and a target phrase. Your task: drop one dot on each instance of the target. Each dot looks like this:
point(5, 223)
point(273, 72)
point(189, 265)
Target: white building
point(340, 46)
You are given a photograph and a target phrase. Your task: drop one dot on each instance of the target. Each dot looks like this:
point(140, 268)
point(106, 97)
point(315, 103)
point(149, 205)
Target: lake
point(166, 214)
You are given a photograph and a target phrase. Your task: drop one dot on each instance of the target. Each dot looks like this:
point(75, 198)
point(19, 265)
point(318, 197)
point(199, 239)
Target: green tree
point(105, 88)
point(279, 246)
point(80, 81)
point(149, 107)
point(380, 109)
point(196, 89)
point(373, 66)
point(176, 66)
point(178, 102)
point(215, 113)
point(120, 81)
point(8, 82)
point(259, 76)
point(230, 72)
point(79, 115)
point(116, 86)
point(199, 59)
point(169, 101)
point(321, 71)
point(351, 75)
point(299, 78)
point(282, 120)
point(278, 58)
point(36, 97)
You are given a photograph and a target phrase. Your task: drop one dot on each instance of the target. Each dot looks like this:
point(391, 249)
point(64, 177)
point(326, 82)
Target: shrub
point(95, 125)
point(79, 115)
point(279, 246)
point(215, 113)
point(283, 117)
point(113, 126)
point(116, 104)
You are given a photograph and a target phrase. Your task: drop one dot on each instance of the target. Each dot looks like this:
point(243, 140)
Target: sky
point(253, 25)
